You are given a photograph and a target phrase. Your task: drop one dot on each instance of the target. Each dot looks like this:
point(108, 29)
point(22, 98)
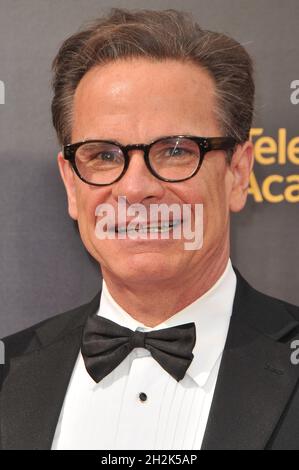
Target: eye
point(177, 151)
point(107, 156)
point(99, 153)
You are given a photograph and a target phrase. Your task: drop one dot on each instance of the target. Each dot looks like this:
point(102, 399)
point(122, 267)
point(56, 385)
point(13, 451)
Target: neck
point(146, 304)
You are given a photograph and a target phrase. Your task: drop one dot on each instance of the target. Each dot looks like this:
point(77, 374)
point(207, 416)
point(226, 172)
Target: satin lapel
point(34, 390)
point(256, 378)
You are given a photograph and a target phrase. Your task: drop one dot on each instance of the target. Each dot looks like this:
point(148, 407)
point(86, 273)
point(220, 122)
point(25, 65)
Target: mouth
point(161, 227)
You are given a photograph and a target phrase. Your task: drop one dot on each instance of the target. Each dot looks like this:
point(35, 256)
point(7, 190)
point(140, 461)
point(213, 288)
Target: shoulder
point(271, 313)
point(48, 330)
point(251, 293)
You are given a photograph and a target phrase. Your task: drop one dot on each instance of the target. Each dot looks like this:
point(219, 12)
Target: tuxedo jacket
point(256, 399)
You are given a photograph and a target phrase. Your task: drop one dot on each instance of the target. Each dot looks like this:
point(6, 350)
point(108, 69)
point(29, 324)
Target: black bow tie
point(106, 344)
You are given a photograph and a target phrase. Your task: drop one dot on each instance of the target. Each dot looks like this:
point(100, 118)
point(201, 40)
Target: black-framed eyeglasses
point(172, 158)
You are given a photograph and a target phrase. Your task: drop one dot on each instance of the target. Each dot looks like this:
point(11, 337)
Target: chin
point(144, 267)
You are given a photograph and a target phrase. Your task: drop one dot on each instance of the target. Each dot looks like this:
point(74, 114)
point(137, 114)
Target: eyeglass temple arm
point(221, 143)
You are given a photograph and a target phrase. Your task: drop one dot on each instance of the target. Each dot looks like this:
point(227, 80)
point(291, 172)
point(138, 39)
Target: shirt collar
point(211, 314)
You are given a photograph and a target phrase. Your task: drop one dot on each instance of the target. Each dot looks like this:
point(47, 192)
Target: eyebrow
point(119, 143)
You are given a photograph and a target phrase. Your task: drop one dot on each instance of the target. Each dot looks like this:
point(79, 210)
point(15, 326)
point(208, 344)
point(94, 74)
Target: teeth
point(164, 227)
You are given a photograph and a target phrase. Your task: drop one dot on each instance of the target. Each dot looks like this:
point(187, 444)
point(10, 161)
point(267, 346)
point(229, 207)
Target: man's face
point(138, 101)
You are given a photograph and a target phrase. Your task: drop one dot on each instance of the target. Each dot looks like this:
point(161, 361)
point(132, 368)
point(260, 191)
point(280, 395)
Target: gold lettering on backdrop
point(276, 152)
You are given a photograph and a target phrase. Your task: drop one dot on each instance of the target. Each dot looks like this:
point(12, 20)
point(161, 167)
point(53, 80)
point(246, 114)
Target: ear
point(68, 178)
point(240, 167)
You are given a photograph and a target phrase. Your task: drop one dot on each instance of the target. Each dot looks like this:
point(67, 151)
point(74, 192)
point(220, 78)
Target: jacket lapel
point(256, 377)
point(33, 393)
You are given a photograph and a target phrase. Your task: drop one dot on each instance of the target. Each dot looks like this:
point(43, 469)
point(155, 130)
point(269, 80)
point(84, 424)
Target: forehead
point(138, 96)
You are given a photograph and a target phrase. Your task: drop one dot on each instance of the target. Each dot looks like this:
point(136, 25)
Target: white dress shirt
point(111, 415)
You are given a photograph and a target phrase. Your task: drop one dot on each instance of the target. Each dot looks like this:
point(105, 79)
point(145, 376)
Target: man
point(176, 351)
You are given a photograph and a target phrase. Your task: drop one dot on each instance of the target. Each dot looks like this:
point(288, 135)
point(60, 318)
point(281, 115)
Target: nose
point(138, 184)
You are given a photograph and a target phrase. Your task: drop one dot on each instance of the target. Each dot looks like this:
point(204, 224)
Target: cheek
point(210, 189)
point(203, 188)
point(87, 201)
point(215, 182)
